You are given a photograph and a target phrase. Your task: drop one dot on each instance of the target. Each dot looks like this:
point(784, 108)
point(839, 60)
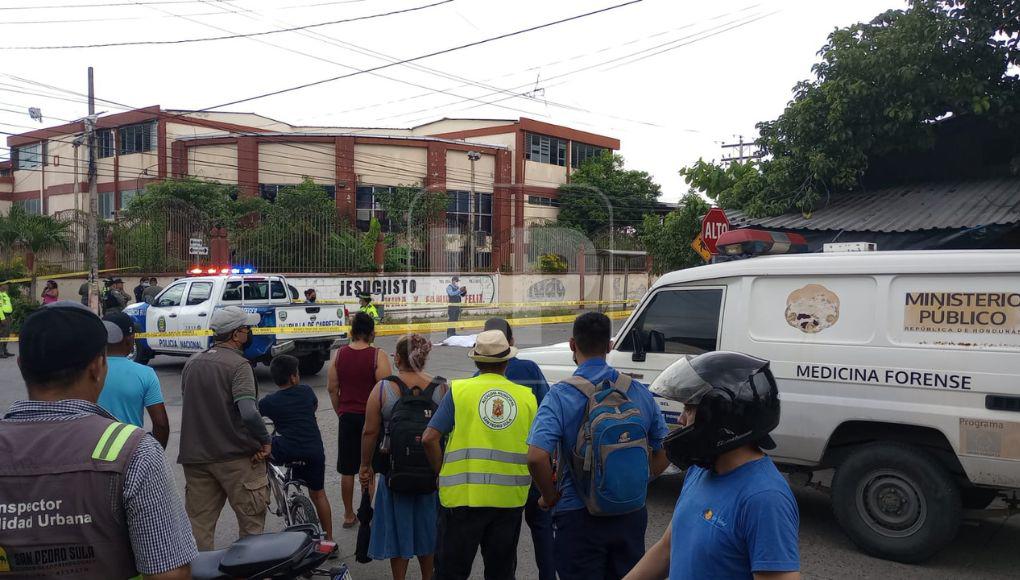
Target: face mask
point(248, 341)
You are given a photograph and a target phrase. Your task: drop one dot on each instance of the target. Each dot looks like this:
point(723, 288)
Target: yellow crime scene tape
point(67, 275)
point(380, 330)
point(438, 305)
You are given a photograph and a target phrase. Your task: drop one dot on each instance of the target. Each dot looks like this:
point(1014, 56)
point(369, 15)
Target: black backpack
point(409, 469)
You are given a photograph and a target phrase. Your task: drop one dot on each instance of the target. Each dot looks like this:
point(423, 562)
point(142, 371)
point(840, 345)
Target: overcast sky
point(672, 79)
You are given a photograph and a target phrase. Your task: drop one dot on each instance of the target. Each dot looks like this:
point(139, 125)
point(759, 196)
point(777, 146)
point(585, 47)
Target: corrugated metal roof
point(947, 205)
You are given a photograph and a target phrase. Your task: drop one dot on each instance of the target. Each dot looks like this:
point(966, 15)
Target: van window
point(688, 320)
point(199, 293)
point(172, 296)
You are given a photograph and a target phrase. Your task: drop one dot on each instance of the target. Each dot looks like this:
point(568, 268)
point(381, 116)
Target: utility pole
point(90, 137)
point(472, 157)
point(740, 145)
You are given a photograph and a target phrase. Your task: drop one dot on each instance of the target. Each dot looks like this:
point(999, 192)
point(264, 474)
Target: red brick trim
point(518, 201)
point(501, 199)
point(248, 166)
point(7, 179)
point(178, 160)
point(225, 140)
point(346, 179)
point(161, 171)
point(480, 132)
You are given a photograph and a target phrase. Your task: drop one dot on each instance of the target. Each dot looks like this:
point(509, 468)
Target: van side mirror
point(637, 339)
point(656, 341)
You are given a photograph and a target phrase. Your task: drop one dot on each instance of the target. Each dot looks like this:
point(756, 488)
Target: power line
point(424, 56)
point(229, 36)
point(104, 5)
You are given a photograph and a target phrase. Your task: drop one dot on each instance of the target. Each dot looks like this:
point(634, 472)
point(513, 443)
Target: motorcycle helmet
point(737, 403)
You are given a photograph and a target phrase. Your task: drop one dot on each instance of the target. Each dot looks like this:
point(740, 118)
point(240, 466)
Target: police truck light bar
point(758, 242)
point(199, 271)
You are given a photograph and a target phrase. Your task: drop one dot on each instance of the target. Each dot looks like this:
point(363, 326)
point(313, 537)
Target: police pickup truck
point(899, 374)
point(187, 305)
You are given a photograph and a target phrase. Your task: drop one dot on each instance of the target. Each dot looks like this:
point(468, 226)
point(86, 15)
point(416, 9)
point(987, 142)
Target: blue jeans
point(598, 548)
point(540, 523)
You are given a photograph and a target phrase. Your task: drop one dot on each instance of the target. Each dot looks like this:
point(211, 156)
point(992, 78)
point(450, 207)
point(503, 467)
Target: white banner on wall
point(414, 289)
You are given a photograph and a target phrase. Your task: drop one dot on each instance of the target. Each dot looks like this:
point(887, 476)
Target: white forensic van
point(899, 370)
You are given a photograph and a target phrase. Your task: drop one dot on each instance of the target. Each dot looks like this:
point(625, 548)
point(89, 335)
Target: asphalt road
point(985, 549)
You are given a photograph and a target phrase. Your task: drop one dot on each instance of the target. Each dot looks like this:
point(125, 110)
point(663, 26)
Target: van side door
point(674, 322)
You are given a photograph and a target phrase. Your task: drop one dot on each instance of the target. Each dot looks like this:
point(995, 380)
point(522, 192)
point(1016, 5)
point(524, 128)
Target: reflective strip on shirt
point(484, 479)
point(491, 454)
point(112, 441)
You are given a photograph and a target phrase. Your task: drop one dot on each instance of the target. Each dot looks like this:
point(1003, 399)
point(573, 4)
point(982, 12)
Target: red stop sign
point(712, 226)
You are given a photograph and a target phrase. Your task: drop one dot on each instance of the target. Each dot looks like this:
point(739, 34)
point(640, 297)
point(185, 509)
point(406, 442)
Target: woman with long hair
point(404, 525)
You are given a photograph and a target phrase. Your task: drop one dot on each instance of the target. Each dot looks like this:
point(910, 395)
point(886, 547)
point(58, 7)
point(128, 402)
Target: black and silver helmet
point(737, 403)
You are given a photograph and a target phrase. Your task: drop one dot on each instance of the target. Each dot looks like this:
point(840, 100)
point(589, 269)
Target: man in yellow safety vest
point(365, 300)
point(483, 478)
point(6, 318)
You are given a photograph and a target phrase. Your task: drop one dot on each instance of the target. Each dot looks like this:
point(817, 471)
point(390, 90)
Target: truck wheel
point(896, 502)
point(310, 365)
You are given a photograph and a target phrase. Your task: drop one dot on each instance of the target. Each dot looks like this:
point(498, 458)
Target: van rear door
point(674, 321)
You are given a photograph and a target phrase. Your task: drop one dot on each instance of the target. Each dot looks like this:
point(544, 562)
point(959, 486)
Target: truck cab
point(176, 323)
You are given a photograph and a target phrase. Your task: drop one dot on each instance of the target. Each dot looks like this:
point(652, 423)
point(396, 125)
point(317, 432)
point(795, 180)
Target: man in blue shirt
point(454, 293)
point(588, 546)
point(736, 516)
point(130, 387)
point(527, 373)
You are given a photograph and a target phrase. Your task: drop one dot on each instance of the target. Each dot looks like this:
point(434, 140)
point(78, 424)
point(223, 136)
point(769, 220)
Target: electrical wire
point(229, 36)
point(104, 5)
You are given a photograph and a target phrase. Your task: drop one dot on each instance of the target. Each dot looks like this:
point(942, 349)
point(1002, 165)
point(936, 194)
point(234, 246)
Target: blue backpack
point(609, 462)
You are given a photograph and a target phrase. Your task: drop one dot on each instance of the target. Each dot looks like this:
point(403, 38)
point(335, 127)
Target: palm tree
point(36, 233)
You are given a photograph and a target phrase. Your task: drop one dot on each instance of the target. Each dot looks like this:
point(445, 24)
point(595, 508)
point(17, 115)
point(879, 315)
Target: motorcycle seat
point(254, 555)
point(207, 566)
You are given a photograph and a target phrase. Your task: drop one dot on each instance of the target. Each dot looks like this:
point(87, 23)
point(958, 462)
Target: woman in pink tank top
point(353, 373)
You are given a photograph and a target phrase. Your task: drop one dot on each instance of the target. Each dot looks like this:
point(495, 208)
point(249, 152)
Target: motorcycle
point(297, 551)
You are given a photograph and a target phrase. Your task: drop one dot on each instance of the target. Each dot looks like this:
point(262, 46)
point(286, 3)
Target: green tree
point(602, 191)
point(412, 210)
point(35, 233)
point(668, 239)
point(878, 90)
point(219, 202)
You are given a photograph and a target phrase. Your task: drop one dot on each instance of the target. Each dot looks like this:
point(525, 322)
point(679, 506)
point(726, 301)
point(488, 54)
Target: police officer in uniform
point(83, 496)
point(6, 317)
point(483, 477)
point(367, 307)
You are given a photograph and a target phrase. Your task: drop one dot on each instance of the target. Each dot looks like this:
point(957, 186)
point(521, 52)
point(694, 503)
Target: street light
point(472, 157)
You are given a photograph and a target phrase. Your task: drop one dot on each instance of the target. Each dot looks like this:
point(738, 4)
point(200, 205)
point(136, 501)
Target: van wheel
point(310, 365)
point(896, 502)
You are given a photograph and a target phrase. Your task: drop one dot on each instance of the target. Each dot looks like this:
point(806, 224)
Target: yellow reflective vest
point(371, 311)
point(6, 308)
point(486, 460)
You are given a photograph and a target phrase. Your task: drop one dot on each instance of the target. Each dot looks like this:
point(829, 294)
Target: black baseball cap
point(118, 325)
point(60, 336)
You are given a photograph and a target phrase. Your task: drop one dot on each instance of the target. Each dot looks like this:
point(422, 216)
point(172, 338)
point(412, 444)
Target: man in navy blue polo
point(588, 546)
point(526, 373)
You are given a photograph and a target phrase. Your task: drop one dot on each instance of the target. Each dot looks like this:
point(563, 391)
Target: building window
point(107, 205)
point(126, 196)
point(105, 144)
point(367, 206)
point(269, 191)
point(581, 152)
point(28, 156)
point(458, 211)
point(543, 149)
point(543, 201)
point(32, 205)
point(138, 138)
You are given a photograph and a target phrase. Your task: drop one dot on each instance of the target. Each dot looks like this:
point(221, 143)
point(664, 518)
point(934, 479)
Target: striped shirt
point(157, 523)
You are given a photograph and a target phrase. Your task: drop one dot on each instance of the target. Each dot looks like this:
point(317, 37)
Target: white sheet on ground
point(462, 340)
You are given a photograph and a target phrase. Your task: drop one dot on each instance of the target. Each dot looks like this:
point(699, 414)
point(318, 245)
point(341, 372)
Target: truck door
point(194, 314)
point(674, 322)
point(163, 315)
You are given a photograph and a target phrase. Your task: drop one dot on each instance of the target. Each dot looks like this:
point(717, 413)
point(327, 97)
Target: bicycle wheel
point(302, 510)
